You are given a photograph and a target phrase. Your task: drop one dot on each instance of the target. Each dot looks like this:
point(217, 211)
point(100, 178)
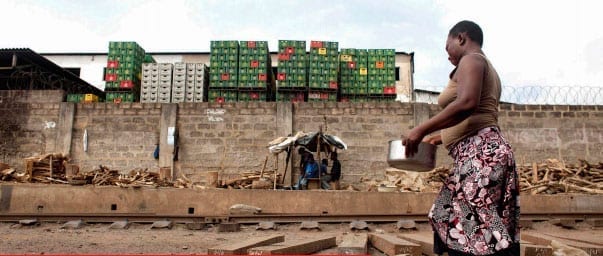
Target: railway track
point(256, 218)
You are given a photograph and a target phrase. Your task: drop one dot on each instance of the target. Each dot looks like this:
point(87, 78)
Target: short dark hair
point(471, 28)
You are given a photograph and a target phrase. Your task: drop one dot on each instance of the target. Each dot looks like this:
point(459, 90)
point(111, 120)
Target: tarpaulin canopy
point(310, 141)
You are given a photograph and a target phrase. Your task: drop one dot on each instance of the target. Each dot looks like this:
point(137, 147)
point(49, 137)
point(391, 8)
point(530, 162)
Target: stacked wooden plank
point(46, 168)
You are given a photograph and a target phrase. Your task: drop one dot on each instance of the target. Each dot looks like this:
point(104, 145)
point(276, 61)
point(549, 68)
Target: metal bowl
point(422, 161)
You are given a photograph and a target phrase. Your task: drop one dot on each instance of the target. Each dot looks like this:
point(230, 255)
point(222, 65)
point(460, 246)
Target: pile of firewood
point(107, 177)
point(8, 174)
point(252, 180)
point(550, 177)
point(554, 176)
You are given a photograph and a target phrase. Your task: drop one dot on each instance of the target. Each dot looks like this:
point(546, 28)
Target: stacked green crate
point(254, 64)
point(255, 71)
point(123, 71)
point(77, 98)
point(382, 73)
point(292, 84)
point(323, 71)
point(221, 95)
point(224, 70)
point(353, 71)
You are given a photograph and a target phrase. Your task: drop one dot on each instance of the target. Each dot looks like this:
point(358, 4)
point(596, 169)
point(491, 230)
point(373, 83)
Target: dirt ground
point(50, 238)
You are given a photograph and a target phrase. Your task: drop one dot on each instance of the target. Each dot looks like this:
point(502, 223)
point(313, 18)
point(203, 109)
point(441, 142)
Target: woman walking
point(477, 209)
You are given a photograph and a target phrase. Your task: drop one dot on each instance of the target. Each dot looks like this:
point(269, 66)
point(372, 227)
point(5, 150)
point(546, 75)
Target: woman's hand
point(412, 140)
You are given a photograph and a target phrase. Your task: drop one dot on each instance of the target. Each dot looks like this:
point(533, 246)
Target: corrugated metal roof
point(76, 85)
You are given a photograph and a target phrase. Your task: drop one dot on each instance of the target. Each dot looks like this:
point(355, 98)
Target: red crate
point(281, 76)
point(389, 90)
point(352, 64)
point(316, 44)
point(290, 50)
point(220, 99)
point(262, 77)
point(126, 84)
point(344, 99)
point(225, 77)
point(111, 77)
point(284, 56)
point(254, 95)
point(254, 64)
point(379, 64)
point(113, 64)
point(333, 85)
point(251, 44)
point(324, 96)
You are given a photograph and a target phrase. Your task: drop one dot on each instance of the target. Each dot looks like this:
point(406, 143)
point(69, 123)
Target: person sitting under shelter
point(324, 176)
point(311, 171)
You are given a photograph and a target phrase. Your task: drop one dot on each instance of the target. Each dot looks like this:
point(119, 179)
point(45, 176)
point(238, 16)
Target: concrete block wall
point(365, 127)
point(563, 132)
point(28, 124)
point(232, 138)
point(120, 136)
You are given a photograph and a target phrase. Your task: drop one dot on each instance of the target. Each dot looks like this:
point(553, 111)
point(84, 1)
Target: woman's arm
point(433, 139)
point(469, 78)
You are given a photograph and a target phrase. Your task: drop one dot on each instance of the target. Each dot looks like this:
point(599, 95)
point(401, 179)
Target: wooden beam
point(392, 245)
point(529, 249)
point(229, 227)
point(592, 237)
point(596, 223)
point(242, 247)
point(542, 239)
point(353, 243)
point(424, 239)
point(306, 246)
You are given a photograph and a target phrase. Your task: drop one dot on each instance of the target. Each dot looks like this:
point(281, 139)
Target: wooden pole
point(275, 170)
point(287, 161)
point(263, 168)
point(51, 166)
point(318, 152)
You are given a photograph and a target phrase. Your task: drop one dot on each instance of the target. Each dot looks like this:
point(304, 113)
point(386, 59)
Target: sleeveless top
point(486, 113)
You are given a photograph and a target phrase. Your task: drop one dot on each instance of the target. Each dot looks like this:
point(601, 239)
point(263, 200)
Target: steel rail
point(252, 219)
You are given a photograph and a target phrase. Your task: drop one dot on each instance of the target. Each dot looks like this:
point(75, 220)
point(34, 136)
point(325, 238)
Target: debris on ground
point(549, 177)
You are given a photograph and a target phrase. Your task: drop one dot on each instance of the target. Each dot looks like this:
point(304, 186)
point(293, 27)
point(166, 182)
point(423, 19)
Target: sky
point(530, 43)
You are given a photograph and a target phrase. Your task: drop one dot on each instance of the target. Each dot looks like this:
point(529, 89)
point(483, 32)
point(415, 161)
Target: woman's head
point(462, 35)
point(472, 30)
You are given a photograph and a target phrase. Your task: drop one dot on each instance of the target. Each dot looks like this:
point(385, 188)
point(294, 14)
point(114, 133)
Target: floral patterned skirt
point(477, 209)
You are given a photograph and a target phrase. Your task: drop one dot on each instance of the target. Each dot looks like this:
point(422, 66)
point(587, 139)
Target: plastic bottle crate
point(148, 95)
point(120, 97)
point(163, 100)
point(75, 98)
point(179, 83)
point(164, 89)
point(148, 100)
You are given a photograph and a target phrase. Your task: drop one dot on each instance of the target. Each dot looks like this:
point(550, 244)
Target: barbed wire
point(531, 95)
